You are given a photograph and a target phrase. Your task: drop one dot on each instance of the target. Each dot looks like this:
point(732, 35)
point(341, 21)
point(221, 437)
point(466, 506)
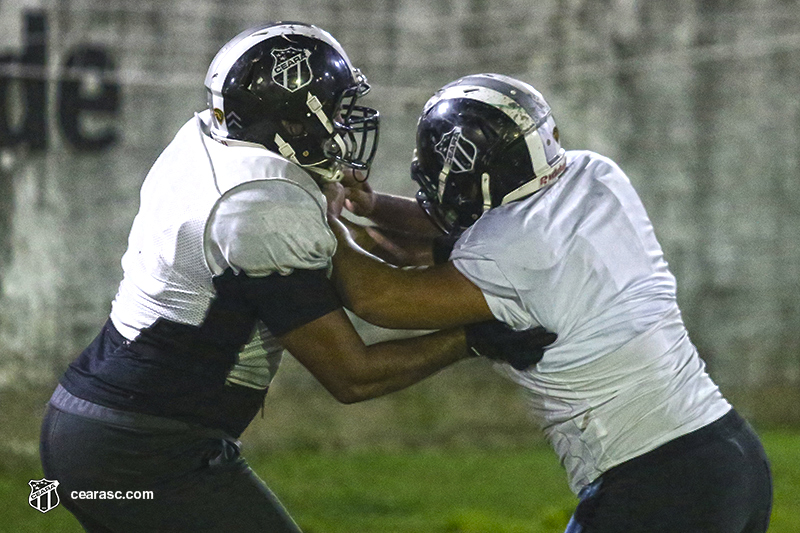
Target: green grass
point(433, 491)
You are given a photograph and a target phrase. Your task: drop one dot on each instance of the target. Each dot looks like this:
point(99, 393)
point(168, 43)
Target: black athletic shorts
point(124, 472)
point(714, 480)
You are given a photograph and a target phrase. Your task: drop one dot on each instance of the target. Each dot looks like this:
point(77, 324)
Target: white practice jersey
point(206, 207)
point(581, 259)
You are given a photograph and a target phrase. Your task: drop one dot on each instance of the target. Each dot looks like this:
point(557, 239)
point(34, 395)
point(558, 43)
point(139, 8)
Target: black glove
point(495, 340)
point(443, 247)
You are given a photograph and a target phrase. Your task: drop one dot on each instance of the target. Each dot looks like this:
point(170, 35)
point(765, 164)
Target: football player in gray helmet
point(535, 236)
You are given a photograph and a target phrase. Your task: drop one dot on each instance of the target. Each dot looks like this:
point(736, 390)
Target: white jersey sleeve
point(268, 226)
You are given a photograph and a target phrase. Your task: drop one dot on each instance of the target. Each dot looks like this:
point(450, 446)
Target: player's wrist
point(378, 202)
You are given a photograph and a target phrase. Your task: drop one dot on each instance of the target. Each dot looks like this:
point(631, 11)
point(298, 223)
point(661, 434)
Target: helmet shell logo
point(218, 115)
point(291, 70)
point(43, 495)
point(457, 151)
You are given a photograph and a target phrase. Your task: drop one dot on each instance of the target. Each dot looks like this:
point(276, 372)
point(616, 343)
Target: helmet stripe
point(536, 150)
point(522, 93)
point(521, 116)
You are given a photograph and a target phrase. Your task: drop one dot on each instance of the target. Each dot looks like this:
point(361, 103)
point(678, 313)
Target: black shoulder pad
point(287, 302)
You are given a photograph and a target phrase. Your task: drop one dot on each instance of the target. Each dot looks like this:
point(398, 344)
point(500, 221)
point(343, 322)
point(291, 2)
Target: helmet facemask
point(458, 206)
point(353, 140)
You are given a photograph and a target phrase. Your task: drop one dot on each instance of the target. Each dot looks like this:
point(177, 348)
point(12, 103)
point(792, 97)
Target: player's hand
point(359, 196)
point(335, 195)
point(497, 341)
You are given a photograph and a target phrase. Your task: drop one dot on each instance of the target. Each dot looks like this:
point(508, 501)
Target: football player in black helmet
point(539, 237)
point(228, 264)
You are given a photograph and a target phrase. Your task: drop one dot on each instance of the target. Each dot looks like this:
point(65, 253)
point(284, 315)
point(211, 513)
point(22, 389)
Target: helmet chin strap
point(329, 171)
point(286, 149)
point(313, 103)
point(328, 175)
point(334, 173)
point(487, 195)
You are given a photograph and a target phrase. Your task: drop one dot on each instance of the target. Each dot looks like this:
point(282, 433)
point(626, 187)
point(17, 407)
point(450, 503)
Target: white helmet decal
point(457, 151)
point(291, 69)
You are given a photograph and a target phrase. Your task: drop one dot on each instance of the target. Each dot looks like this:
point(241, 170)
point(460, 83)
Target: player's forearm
point(368, 286)
point(396, 248)
point(400, 213)
point(391, 297)
point(394, 365)
point(353, 267)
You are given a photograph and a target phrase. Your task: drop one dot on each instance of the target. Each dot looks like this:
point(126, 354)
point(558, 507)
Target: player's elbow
point(351, 383)
point(349, 397)
point(367, 313)
point(350, 393)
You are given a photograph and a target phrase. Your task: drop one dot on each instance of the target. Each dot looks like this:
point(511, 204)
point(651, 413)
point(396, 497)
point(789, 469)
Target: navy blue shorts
point(199, 482)
point(714, 480)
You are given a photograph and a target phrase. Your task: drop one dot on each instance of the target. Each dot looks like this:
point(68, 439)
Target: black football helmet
point(290, 87)
point(483, 141)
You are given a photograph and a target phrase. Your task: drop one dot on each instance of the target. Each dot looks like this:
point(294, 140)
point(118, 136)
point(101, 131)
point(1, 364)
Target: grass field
point(453, 454)
point(425, 491)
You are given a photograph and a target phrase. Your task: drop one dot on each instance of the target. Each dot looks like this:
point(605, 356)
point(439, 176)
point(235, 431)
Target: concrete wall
point(696, 99)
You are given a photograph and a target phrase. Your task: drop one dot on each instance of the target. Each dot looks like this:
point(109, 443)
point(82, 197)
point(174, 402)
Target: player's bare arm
point(331, 349)
point(398, 231)
point(395, 247)
point(387, 211)
point(393, 297)
point(431, 297)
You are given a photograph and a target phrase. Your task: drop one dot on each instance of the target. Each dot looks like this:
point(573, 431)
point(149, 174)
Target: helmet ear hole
point(294, 129)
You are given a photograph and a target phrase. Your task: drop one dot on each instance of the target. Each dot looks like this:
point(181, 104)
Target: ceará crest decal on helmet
point(291, 69)
point(457, 151)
